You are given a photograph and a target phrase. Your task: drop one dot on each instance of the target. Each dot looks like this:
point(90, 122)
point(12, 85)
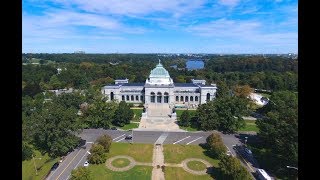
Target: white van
point(262, 175)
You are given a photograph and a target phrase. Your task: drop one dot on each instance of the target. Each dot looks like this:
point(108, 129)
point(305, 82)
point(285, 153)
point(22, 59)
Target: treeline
point(251, 64)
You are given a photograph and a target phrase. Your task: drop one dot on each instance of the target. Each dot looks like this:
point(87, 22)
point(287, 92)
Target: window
point(166, 97)
point(159, 97)
point(181, 98)
point(132, 98)
point(196, 98)
point(177, 98)
point(123, 98)
point(191, 98)
point(137, 98)
point(187, 99)
point(152, 97)
point(127, 97)
point(141, 98)
point(111, 96)
point(208, 97)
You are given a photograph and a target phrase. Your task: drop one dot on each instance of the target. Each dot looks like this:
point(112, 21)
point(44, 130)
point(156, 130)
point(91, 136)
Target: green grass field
point(137, 114)
point(43, 165)
point(130, 126)
point(179, 112)
point(250, 126)
point(174, 153)
point(121, 162)
point(196, 165)
point(138, 172)
point(139, 152)
point(176, 173)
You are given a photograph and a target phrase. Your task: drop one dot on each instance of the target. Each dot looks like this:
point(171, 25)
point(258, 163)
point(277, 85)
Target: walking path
point(158, 162)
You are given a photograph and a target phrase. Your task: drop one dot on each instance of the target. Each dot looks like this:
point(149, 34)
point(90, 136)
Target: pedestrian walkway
point(158, 162)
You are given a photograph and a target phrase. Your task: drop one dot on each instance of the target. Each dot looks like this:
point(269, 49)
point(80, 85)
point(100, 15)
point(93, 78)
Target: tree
point(230, 111)
point(123, 114)
point(69, 100)
point(216, 145)
point(243, 91)
point(81, 173)
point(223, 89)
point(52, 129)
point(185, 118)
point(231, 169)
point(207, 116)
point(97, 155)
point(100, 113)
point(280, 128)
point(55, 82)
point(224, 114)
point(105, 141)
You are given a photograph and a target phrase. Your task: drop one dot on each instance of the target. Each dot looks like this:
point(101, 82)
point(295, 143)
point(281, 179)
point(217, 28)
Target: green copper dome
point(159, 72)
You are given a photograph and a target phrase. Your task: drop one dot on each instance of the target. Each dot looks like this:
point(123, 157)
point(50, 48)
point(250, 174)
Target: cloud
point(133, 7)
point(229, 2)
point(245, 31)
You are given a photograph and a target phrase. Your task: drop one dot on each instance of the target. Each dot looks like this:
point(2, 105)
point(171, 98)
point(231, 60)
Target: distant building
point(79, 52)
point(159, 88)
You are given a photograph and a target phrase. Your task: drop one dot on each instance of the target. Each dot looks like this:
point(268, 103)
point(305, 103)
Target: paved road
point(73, 160)
point(79, 156)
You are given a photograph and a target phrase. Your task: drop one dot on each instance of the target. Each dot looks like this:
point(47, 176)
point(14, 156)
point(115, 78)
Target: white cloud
point(134, 7)
point(229, 2)
point(246, 31)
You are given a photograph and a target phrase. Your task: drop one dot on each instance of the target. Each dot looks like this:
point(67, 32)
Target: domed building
point(159, 88)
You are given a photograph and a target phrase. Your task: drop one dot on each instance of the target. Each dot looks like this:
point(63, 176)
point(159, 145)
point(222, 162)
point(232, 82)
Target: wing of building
point(159, 88)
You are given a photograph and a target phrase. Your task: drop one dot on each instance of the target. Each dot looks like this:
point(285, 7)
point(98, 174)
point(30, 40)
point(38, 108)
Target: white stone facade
point(160, 88)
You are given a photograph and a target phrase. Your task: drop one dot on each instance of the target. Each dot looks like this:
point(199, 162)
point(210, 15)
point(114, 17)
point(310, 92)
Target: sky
point(160, 26)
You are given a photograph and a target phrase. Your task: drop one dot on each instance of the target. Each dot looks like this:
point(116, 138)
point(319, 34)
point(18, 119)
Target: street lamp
point(34, 162)
point(292, 167)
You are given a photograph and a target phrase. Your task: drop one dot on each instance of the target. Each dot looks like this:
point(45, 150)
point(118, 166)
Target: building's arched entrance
point(159, 97)
point(208, 97)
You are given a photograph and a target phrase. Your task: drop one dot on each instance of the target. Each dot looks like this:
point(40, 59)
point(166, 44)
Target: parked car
point(128, 137)
point(55, 166)
point(86, 164)
point(247, 151)
point(113, 128)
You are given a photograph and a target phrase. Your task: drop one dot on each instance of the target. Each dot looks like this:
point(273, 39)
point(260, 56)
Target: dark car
point(82, 143)
point(113, 128)
point(128, 137)
point(55, 166)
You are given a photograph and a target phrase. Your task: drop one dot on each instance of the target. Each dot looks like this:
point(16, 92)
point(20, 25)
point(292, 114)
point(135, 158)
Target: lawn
point(137, 114)
point(250, 126)
point(139, 152)
point(121, 162)
point(174, 153)
point(179, 112)
point(196, 165)
point(138, 172)
point(130, 126)
point(43, 165)
point(173, 173)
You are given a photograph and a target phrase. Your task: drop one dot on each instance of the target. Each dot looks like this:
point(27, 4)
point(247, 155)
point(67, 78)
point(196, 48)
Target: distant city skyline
point(160, 26)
